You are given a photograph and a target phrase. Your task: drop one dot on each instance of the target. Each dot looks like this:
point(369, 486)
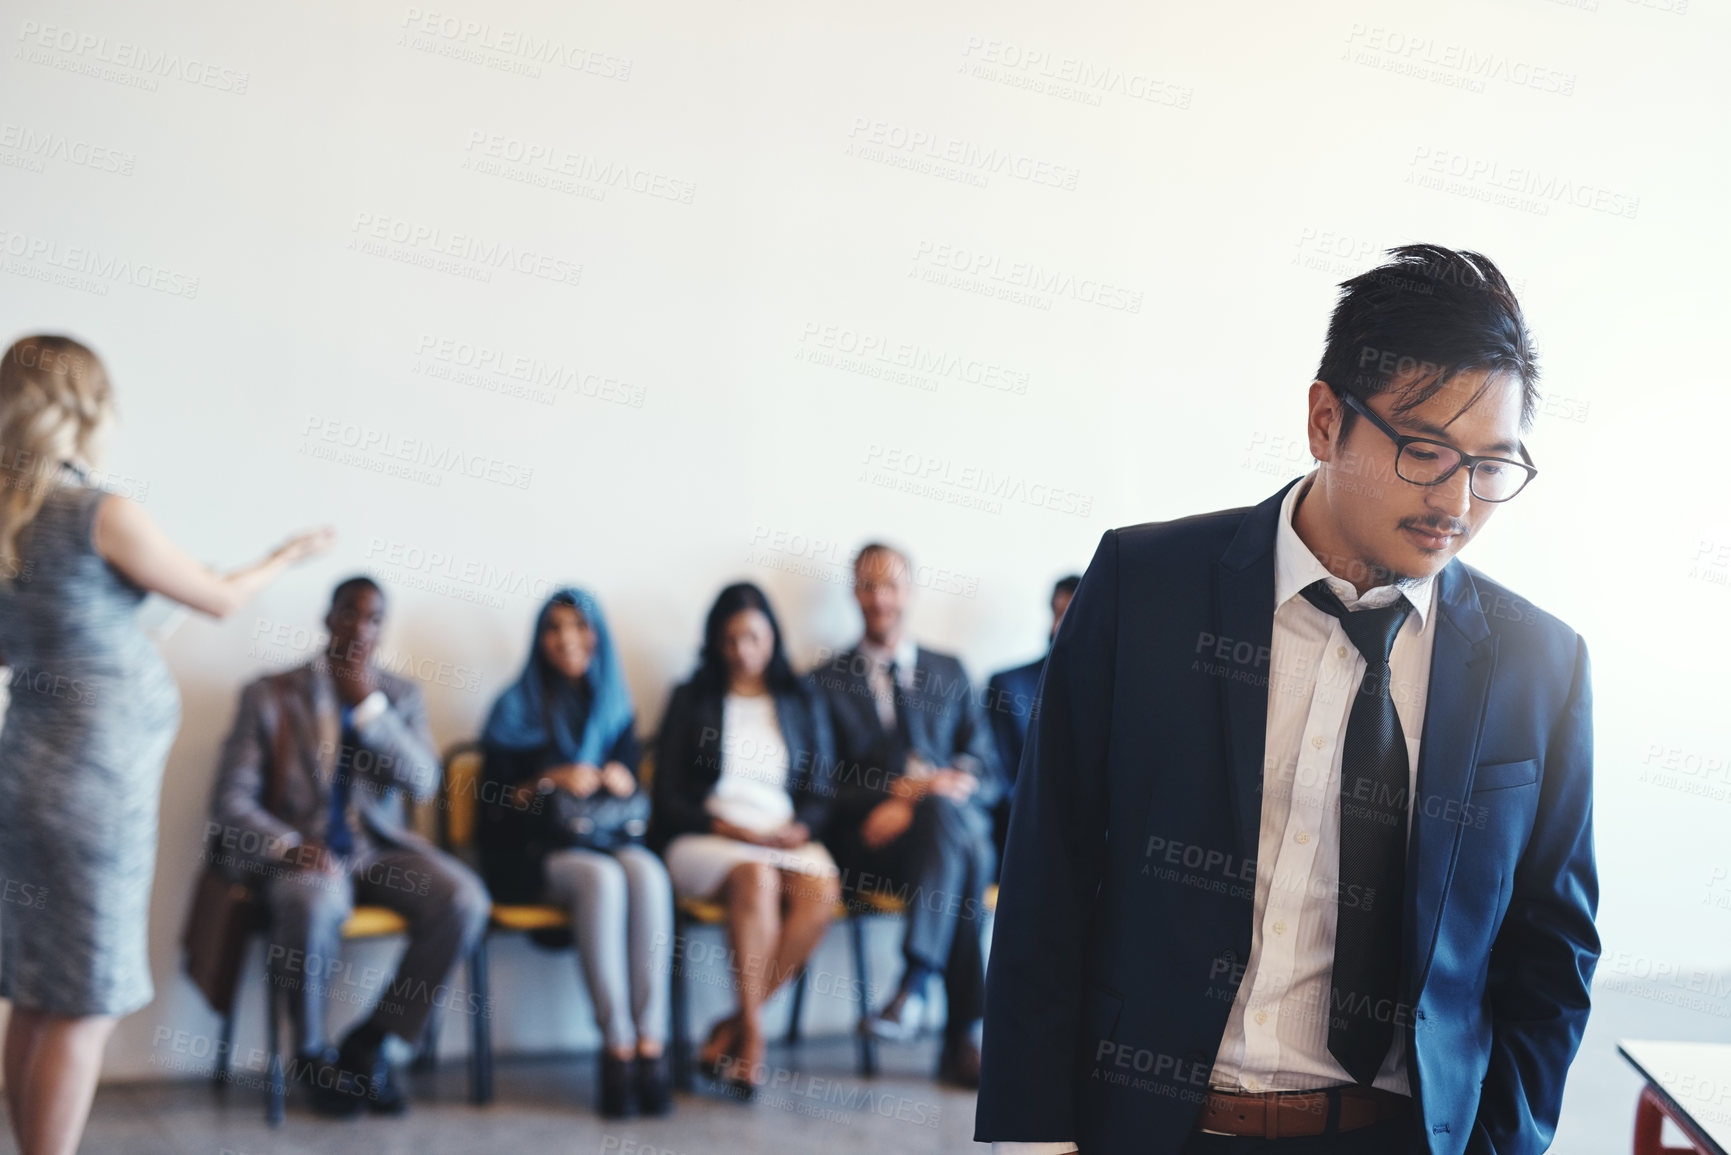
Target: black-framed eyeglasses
point(1421, 461)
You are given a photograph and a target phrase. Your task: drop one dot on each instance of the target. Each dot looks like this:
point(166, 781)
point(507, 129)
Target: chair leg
point(481, 1042)
point(868, 1049)
point(427, 1050)
point(224, 1049)
point(276, 1099)
point(680, 996)
point(796, 1008)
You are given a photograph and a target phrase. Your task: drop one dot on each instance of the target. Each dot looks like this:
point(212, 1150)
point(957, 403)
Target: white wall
point(1219, 168)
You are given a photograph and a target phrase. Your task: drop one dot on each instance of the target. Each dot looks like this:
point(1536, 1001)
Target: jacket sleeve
point(1542, 961)
point(1000, 707)
point(974, 749)
point(237, 797)
point(817, 794)
point(1053, 863)
point(676, 811)
point(402, 749)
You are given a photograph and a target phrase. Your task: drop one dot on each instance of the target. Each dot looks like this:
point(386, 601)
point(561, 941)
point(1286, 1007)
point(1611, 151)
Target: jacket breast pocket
point(1505, 775)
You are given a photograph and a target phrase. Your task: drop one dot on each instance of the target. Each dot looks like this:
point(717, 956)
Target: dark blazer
point(1112, 975)
point(945, 725)
point(1012, 700)
point(273, 782)
point(688, 760)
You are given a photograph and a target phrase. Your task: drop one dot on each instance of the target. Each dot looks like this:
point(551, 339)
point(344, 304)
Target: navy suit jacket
point(945, 726)
point(1115, 957)
point(1012, 700)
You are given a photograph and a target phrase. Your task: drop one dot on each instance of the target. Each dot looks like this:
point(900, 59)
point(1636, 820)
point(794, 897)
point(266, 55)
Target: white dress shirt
point(1276, 1036)
point(751, 790)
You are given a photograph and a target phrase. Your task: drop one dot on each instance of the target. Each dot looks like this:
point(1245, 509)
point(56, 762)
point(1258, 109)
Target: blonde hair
point(54, 396)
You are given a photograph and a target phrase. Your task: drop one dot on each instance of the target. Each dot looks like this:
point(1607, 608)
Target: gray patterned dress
point(93, 712)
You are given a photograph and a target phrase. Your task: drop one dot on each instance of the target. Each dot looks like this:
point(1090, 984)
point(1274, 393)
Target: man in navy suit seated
point(916, 779)
point(1301, 858)
point(1011, 701)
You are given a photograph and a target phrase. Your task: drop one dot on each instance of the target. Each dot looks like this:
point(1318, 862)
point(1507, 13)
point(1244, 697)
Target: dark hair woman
point(567, 723)
point(742, 783)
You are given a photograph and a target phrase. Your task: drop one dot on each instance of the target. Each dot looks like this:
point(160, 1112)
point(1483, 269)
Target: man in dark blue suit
point(916, 778)
point(1301, 857)
point(1011, 700)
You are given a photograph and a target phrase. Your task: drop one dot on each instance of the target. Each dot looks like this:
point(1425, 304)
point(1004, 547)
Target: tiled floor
point(816, 1105)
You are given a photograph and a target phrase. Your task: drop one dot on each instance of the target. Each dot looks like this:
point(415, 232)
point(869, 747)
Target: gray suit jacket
point(273, 785)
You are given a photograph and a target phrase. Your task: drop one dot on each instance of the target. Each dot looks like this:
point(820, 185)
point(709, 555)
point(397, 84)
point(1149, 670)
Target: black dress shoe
point(615, 1099)
point(305, 1068)
point(362, 1056)
point(655, 1084)
point(335, 1092)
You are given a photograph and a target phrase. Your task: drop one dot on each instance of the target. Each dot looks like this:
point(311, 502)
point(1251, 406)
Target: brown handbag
point(223, 916)
point(225, 913)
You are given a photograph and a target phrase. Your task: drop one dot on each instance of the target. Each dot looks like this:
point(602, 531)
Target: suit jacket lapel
point(1462, 661)
point(915, 703)
point(1244, 613)
point(326, 722)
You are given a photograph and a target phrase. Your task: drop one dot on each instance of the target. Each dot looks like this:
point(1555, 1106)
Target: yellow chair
point(363, 924)
point(458, 816)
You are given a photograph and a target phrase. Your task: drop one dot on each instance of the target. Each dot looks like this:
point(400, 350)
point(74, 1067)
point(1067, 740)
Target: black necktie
point(1373, 807)
point(902, 731)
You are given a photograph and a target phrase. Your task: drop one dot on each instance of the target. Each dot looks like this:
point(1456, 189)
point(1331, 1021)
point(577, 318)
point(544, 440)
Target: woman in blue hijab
point(567, 723)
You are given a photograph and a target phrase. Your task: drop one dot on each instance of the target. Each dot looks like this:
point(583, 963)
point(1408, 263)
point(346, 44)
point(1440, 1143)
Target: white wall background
point(251, 214)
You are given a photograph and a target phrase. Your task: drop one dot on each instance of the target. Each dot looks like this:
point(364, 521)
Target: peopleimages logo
point(88, 50)
point(416, 243)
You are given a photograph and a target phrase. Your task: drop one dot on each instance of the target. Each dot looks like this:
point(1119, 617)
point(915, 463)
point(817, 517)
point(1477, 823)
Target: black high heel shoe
point(615, 1099)
point(718, 1067)
point(655, 1084)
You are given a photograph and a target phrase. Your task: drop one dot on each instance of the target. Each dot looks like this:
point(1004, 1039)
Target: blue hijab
point(522, 718)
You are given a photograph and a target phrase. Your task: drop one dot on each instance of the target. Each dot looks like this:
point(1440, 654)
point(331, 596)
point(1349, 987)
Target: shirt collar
point(905, 654)
point(1296, 567)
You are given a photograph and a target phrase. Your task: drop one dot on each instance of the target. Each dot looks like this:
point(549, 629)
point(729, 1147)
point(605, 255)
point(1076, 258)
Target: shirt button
point(1261, 1017)
point(1340, 652)
point(1250, 1083)
point(1303, 837)
point(1318, 741)
point(1280, 927)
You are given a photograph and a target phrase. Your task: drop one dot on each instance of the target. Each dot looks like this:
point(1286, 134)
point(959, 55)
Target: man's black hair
point(1433, 313)
point(353, 585)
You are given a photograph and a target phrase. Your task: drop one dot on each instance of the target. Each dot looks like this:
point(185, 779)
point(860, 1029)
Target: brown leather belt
point(1290, 1114)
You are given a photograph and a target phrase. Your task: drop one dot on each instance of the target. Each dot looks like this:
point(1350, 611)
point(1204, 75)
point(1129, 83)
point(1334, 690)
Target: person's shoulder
point(1027, 672)
point(937, 661)
point(829, 664)
point(274, 687)
point(1211, 531)
point(1519, 625)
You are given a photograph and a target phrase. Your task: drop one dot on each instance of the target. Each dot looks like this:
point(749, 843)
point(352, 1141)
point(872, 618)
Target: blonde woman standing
point(93, 712)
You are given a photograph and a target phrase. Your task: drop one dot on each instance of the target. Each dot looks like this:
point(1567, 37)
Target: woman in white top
point(744, 772)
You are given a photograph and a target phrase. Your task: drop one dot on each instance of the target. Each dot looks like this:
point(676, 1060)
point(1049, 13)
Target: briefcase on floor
point(223, 917)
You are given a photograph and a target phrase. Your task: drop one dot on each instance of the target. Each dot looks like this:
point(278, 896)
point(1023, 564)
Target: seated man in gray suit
point(315, 771)
point(916, 778)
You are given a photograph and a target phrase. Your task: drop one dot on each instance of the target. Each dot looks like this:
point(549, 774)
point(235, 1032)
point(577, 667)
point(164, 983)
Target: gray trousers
point(445, 904)
point(621, 908)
